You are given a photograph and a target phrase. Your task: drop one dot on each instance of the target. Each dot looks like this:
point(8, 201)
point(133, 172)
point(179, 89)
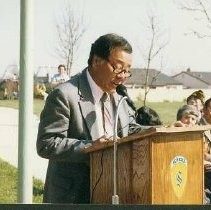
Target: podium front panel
point(102, 175)
point(165, 168)
point(177, 169)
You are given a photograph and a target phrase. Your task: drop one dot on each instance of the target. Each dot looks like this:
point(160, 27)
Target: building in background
point(156, 80)
point(164, 88)
point(194, 79)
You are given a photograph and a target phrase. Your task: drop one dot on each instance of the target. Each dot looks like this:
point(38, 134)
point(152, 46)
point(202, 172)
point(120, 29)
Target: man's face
point(189, 119)
point(207, 113)
point(103, 71)
point(61, 70)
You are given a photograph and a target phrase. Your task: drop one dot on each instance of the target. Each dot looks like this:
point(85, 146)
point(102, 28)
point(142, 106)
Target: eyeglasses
point(119, 70)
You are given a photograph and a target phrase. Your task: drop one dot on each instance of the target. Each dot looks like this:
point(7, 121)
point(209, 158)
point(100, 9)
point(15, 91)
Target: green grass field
point(8, 183)
point(38, 105)
point(166, 110)
point(8, 175)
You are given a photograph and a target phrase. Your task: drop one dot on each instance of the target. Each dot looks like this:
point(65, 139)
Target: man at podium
point(75, 117)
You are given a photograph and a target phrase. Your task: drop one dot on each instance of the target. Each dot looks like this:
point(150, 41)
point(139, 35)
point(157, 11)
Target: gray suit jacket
point(68, 124)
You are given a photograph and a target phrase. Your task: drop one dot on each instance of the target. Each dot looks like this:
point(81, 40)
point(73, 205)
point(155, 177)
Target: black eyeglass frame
point(119, 70)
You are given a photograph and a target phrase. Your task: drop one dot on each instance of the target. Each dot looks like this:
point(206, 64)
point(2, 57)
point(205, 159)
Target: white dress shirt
point(97, 94)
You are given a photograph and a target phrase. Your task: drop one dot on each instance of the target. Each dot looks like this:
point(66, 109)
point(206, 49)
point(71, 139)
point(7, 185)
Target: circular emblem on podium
point(178, 171)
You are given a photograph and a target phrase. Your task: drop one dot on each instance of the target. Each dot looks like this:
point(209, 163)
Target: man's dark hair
point(147, 116)
point(207, 103)
point(103, 46)
point(61, 65)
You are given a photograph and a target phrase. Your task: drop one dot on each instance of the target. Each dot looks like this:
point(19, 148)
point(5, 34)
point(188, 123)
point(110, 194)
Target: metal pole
point(25, 129)
point(115, 197)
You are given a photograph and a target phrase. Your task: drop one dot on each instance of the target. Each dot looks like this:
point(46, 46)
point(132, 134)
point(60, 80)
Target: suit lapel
point(87, 107)
point(88, 111)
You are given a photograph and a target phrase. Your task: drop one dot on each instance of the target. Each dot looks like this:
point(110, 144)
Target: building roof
point(202, 76)
point(156, 78)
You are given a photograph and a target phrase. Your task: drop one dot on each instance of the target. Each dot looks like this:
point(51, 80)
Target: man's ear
point(96, 61)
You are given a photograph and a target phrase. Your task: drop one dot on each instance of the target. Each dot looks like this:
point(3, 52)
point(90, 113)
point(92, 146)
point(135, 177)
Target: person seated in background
point(61, 77)
point(187, 116)
point(197, 99)
point(206, 120)
point(206, 117)
point(147, 117)
point(40, 90)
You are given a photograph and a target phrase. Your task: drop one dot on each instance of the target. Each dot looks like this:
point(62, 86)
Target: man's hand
point(207, 162)
point(99, 143)
point(177, 124)
point(103, 140)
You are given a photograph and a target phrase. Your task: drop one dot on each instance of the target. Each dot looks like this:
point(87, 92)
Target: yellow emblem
point(178, 172)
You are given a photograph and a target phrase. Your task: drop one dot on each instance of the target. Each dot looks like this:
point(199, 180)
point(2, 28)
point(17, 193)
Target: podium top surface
point(148, 132)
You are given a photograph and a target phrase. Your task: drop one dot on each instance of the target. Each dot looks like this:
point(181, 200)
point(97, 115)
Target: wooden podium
point(155, 166)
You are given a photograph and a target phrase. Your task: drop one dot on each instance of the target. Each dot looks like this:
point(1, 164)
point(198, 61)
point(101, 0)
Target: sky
point(125, 17)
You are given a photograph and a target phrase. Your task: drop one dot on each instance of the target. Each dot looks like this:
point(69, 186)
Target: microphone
point(122, 90)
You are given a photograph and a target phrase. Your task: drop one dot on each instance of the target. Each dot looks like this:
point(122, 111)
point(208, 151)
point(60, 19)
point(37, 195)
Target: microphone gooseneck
point(122, 90)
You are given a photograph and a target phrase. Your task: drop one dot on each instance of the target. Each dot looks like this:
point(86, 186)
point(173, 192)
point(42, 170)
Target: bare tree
point(70, 31)
point(202, 14)
point(155, 46)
